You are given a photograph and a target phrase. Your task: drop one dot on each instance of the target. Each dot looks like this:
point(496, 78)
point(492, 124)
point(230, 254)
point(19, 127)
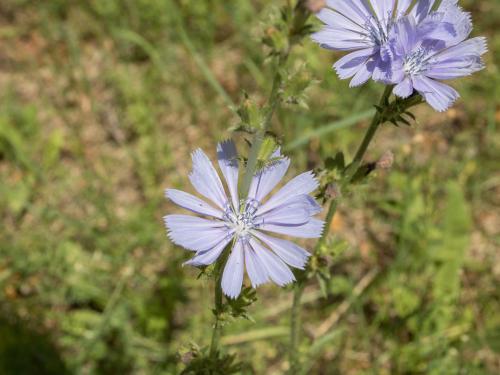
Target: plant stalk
point(218, 306)
point(260, 135)
point(216, 332)
point(295, 323)
point(372, 129)
point(298, 18)
point(295, 328)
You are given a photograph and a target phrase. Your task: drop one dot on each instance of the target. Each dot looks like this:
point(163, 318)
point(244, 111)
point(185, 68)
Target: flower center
point(415, 62)
point(242, 222)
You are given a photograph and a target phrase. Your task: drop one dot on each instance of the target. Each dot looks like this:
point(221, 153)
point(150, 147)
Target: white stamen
point(416, 62)
point(242, 222)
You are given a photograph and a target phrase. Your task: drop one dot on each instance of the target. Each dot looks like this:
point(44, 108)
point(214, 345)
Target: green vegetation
point(102, 103)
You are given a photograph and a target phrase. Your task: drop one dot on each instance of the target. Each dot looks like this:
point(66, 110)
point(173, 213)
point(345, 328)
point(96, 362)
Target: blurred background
point(101, 103)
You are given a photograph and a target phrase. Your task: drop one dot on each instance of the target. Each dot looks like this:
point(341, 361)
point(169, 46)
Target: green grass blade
point(136, 39)
point(200, 62)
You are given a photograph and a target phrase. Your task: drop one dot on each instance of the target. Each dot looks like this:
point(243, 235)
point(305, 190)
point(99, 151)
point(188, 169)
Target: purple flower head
point(418, 63)
point(365, 26)
point(245, 222)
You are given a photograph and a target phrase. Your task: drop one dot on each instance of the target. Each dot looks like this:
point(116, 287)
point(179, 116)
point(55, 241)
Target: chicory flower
point(245, 224)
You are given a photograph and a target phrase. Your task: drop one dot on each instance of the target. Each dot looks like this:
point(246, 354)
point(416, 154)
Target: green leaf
point(454, 241)
point(266, 150)
point(337, 162)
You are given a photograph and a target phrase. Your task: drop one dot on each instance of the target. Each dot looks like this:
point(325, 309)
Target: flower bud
point(315, 6)
point(333, 191)
point(386, 161)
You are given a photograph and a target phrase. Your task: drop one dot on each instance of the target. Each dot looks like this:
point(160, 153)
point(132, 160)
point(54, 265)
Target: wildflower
point(418, 64)
point(245, 222)
point(365, 26)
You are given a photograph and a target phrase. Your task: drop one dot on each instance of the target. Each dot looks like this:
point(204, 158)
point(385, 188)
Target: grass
point(100, 107)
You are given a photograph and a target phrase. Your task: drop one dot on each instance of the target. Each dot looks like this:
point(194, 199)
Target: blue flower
point(418, 63)
point(365, 26)
point(245, 223)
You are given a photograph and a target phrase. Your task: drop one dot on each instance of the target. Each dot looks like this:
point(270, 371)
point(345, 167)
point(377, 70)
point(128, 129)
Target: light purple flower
point(418, 64)
point(246, 222)
point(364, 27)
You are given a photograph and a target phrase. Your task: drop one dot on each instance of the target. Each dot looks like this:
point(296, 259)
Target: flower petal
point(402, 7)
point(383, 9)
point(451, 69)
point(232, 278)
point(353, 62)
point(312, 229)
point(277, 269)
point(355, 10)
point(228, 163)
point(340, 39)
point(422, 9)
point(335, 19)
point(382, 71)
point(265, 180)
point(205, 179)
point(437, 94)
point(192, 203)
point(462, 22)
point(450, 24)
point(257, 272)
point(289, 252)
point(299, 185)
point(195, 233)
point(473, 47)
point(302, 202)
point(362, 75)
point(403, 89)
point(295, 211)
point(207, 257)
point(406, 32)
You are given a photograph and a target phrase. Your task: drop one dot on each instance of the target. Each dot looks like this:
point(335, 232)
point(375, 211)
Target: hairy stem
point(376, 122)
point(259, 136)
point(295, 322)
point(216, 330)
point(298, 16)
point(332, 209)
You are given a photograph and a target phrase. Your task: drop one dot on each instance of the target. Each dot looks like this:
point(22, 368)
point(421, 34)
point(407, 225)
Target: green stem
point(298, 16)
point(298, 20)
point(332, 209)
point(218, 307)
point(259, 136)
point(216, 332)
point(295, 329)
point(295, 323)
point(376, 122)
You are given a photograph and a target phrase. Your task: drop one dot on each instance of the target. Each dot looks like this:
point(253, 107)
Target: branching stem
point(295, 322)
point(260, 135)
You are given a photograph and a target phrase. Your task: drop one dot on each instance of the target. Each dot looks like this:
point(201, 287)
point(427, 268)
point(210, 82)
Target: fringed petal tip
point(320, 225)
point(482, 43)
